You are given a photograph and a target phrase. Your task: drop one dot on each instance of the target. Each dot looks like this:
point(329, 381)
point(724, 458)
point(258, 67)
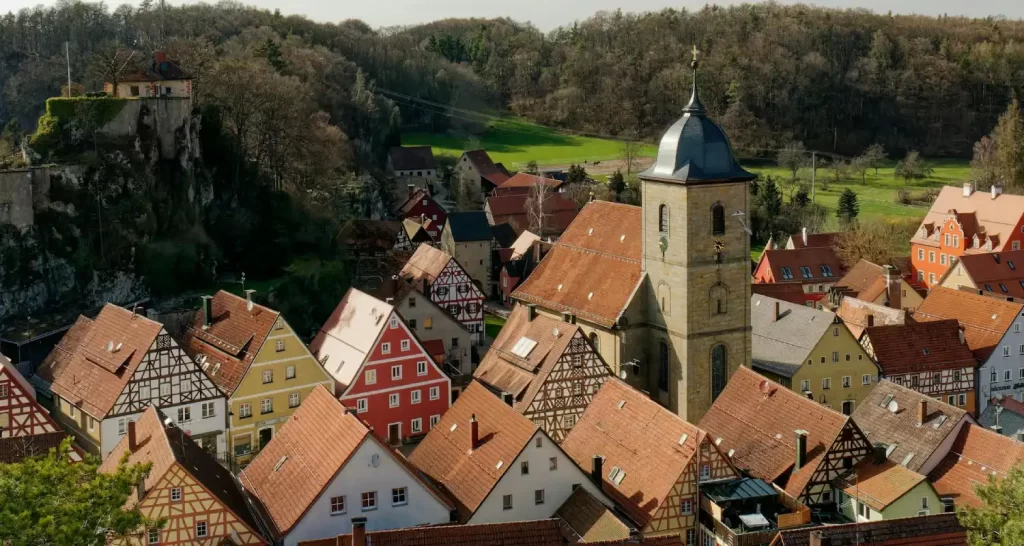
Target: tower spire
point(695, 106)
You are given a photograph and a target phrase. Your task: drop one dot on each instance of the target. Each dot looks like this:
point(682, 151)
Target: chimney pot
point(474, 432)
point(133, 442)
point(968, 189)
point(358, 531)
point(997, 190)
point(778, 311)
point(597, 470)
point(803, 234)
point(248, 298)
point(207, 311)
point(801, 450)
point(818, 538)
point(922, 412)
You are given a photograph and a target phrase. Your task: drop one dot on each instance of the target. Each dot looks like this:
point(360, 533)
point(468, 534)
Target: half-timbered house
point(438, 276)
point(26, 429)
point(325, 467)
point(186, 486)
point(777, 435)
point(258, 361)
point(108, 370)
point(381, 368)
point(497, 465)
point(547, 366)
point(932, 358)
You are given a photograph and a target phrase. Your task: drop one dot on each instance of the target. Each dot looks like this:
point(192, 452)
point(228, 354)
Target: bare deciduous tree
point(537, 208)
point(110, 62)
point(631, 151)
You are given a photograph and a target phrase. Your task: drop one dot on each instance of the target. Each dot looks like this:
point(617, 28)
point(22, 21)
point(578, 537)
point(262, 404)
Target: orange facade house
point(198, 498)
point(963, 221)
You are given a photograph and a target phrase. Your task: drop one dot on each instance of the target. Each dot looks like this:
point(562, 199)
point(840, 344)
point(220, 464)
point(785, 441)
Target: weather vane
point(696, 55)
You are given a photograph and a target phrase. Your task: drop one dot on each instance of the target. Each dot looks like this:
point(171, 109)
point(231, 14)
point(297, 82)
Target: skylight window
point(826, 271)
point(523, 347)
point(787, 273)
point(888, 398)
point(1012, 267)
point(1003, 287)
point(616, 475)
point(907, 459)
point(805, 271)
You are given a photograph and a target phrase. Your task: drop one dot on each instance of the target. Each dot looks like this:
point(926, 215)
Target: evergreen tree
point(617, 183)
point(769, 200)
point(272, 52)
point(801, 199)
point(1009, 152)
point(848, 207)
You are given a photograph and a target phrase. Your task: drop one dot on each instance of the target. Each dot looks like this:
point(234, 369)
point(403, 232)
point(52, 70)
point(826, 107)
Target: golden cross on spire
point(696, 55)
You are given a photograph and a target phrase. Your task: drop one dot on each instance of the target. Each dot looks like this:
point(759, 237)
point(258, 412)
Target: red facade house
point(381, 368)
point(814, 269)
point(420, 206)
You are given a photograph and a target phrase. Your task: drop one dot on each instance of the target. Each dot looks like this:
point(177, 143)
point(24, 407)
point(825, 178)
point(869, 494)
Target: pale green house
point(877, 489)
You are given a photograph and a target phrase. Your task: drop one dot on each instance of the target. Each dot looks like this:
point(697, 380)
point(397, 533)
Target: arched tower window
point(718, 299)
point(717, 219)
point(665, 298)
point(718, 370)
point(593, 341)
point(663, 365)
point(663, 218)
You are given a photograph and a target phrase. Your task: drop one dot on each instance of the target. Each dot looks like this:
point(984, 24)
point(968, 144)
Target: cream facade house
point(467, 238)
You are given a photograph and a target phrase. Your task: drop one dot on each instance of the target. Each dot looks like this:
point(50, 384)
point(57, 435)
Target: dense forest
point(294, 118)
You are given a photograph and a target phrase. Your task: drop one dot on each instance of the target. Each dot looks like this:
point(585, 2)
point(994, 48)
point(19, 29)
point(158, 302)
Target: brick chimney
point(922, 412)
point(597, 469)
point(871, 320)
point(818, 538)
point(893, 287)
point(474, 433)
point(801, 450)
point(133, 442)
point(358, 531)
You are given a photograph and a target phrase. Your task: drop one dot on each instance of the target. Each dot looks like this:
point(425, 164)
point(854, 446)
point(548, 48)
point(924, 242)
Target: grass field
point(493, 325)
point(515, 143)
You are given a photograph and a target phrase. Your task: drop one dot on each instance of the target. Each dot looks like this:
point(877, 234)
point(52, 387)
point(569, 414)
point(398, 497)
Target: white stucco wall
point(359, 476)
point(557, 485)
point(1012, 341)
point(197, 426)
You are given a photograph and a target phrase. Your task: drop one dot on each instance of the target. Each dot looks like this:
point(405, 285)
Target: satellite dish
point(375, 460)
point(622, 374)
point(766, 387)
point(893, 407)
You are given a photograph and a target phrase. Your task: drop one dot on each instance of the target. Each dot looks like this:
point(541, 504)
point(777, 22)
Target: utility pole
point(67, 55)
point(814, 172)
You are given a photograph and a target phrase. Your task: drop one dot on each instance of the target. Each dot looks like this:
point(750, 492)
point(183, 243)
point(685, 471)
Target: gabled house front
point(421, 207)
point(326, 471)
point(977, 456)
point(777, 435)
point(495, 464)
point(440, 277)
point(547, 367)
point(26, 429)
point(815, 269)
point(108, 370)
point(199, 498)
point(878, 284)
point(999, 274)
point(381, 369)
point(257, 361)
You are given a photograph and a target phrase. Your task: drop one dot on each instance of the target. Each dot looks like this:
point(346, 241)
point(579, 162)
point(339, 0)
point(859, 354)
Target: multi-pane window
point(865, 379)
point(266, 405)
point(434, 419)
point(268, 376)
point(122, 426)
point(826, 383)
point(369, 500)
point(805, 385)
point(691, 537)
point(165, 390)
point(405, 344)
point(175, 494)
point(361, 405)
point(846, 381)
point(826, 271)
point(399, 496)
point(421, 367)
point(370, 377)
point(245, 410)
point(200, 529)
point(787, 273)
point(338, 505)
point(417, 425)
point(705, 472)
point(293, 400)
point(835, 356)
point(209, 410)
point(415, 396)
point(435, 393)
point(184, 414)
point(279, 346)
point(393, 322)
point(154, 536)
point(805, 271)
point(393, 400)
point(396, 372)
point(920, 254)
point(289, 372)
point(686, 507)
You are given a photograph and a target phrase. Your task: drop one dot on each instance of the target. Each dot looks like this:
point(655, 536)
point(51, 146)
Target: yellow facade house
point(255, 358)
point(811, 352)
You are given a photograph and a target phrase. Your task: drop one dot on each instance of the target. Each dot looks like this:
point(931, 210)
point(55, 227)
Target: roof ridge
point(599, 253)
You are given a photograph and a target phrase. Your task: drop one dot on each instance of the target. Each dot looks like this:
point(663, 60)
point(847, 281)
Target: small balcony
point(748, 512)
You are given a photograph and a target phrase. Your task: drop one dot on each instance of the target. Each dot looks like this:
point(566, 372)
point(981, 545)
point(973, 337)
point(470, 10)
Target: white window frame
point(362, 405)
point(538, 497)
point(244, 410)
point(385, 348)
point(266, 406)
point(393, 323)
point(370, 377)
point(268, 376)
point(185, 414)
point(506, 502)
point(865, 379)
point(202, 529)
point(279, 346)
point(368, 501)
point(209, 409)
point(153, 536)
point(421, 367)
point(435, 393)
point(417, 425)
point(434, 420)
point(293, 400)
point(396, 372)
point(405, 345)
point(175, 494)
point(415, 396)
point(847, 381)
point(289, 372)
point(394, 400)
point(686, 507)
point(334, 501)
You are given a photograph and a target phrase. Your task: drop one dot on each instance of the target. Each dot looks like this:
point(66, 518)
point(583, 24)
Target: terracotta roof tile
point(641, 438)
point(604, 237)
point(878, 485)
point(527, 180)
point(865, 281)
point(583, 518)
point(859, 314)
point(559, 210)
point(90, 375)
point(920, 347)
point(814, 240)
point(980, 213)
point(811, 258)
point(232, 340)
point(977, 454)
point(520, 533)
point(425, 266)
point(934, 530)
point(1001, 273)
point(761, 428)
point(411, 158)
point(305, 455)
point(163, 444)
point(466, 474)
point(983, 319)
point(524, 377)
point(900, 429)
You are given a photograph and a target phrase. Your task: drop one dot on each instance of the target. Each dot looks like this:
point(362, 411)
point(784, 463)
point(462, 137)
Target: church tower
point(696, 254)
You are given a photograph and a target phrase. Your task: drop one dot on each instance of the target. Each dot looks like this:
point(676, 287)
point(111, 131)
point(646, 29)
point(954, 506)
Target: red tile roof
point(859, 314)
point(865, 281)
point(811, 258)
point(163, 444)
point(520, 533)
point(467, 474)
point(919, 346)
point(814, 240)
point(793, 293)
point(559, 210)
point(525, 181)
point(934, 530)
point(761, 428)
point(486, 167)
point(983, 319)
point(878, 485)
point(977, 454)
point(583, 518)
point(641, 438)
point(604, 237)
point(97, 358)
point(1001, 273)
point(232, 340)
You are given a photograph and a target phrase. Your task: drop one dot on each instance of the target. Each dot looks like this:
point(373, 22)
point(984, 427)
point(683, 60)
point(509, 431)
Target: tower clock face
point(719, 245)
point(663, 244)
